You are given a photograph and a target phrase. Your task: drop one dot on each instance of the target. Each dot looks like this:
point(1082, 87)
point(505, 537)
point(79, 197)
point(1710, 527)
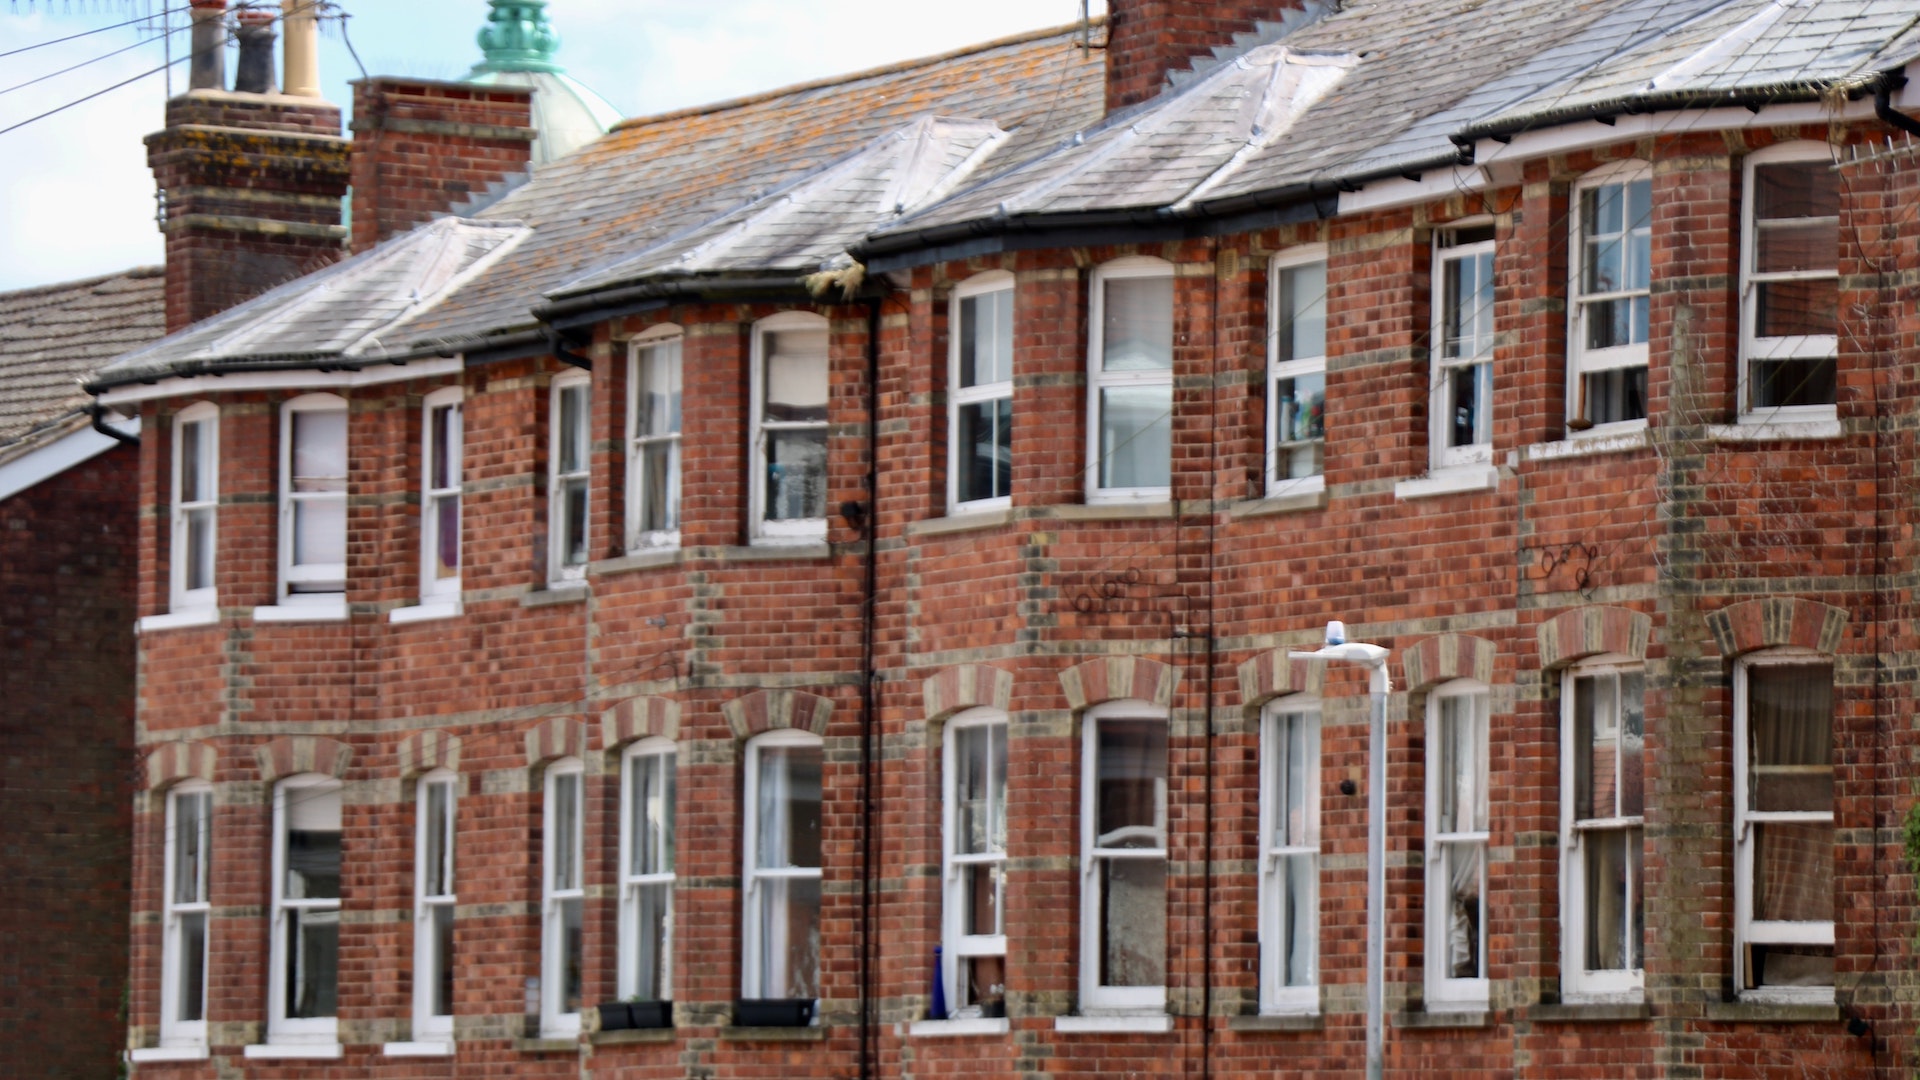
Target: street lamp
point(1375, 658)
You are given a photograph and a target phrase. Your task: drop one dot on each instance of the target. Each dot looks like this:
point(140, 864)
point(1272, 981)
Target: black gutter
point(1883, 104)
point(99, 415)
point(557, 345)
point(572, 311)
point(1665, 101)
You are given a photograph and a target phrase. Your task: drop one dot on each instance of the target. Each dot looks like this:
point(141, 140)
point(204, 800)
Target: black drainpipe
point(99, 414)
point(867, 518)
point(1883, 105)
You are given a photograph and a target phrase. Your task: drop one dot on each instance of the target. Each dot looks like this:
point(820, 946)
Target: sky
point(76, 198)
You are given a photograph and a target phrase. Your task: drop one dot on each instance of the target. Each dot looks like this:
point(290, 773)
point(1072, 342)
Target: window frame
point(959, 945)
point(1276, 997)
point(1578, 983)
point(181, 598)
point(1748, 930)
point(429, 1026)
point(1096, 998)
point(653, 341)
point(1445, 993)
point(1752, 346)
point(790, 530)
point(1442, 455)
point(1582, 361)
point(752, 947)
point(328, 581)
point(281, 1028)
point(958, 396)
point(555, 1021)
point(434, 588)
point(1283, 263)
point(561, 480)
point(174, 1032)
point(1131, 267)
point(651, 750)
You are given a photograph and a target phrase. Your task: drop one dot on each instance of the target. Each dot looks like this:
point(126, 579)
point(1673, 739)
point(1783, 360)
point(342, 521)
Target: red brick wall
point(421, 147)
point(66, 612)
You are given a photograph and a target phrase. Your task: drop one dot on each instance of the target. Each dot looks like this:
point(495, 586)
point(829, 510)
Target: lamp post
point(1375, 658)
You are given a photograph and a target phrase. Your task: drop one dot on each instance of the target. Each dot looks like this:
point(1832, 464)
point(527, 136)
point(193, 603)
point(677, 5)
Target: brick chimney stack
point(1147, 39)
point(250, 180)
point(422, 147)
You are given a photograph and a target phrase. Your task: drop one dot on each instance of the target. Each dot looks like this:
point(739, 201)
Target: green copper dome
point(519, 47)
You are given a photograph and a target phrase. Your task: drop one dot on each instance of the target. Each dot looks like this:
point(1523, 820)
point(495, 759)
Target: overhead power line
point(90, 33)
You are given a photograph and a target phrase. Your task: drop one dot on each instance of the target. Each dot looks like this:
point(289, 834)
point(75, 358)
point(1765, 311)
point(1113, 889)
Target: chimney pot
point(208, 68)
point(255, 75)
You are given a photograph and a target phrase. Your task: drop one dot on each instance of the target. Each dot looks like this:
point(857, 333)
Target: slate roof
point(52, 336)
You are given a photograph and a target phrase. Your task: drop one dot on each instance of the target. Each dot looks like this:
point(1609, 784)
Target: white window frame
point(1444, 993)
point(434, 589)
point(281, 1028)
point(792, 530)
point(1098, 379)
point(1095, 998)
point(1276, 997)
point(427, 961)
point(646, 753)
point(207, 415)
point(329, 580)
point(1752, 345)
point(752, 894)
point(1447, 250)
point(1582, 361)
point(1577, 983)
point(1293, 258)
point(958, 397)
point(1747, 929)
point(561, 480)
point(555, 893)
point(176, 1033)
point(668, 344)
point(960, 945)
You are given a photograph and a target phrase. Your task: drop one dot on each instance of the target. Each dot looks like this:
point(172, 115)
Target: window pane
point(1470, 394)
point(985, 441)
point(986, 338)
point(1297, 909)
point(1462, 782)
point(1806, 381)
point(660, 486)
point(796, 375)
point(1302, 313)
point(199, 546)
point(1797, 308)
point(1633, 742)
point(1796, 189)
point(320, 450)
point(437, 879)
point(1466, 913)
point(1467, 312)
point(191, 990)
point(980, 891)
point(573, 523)
point(1133, 922)
point(796, 475)
point(1299, 424)
point(1793, 871)
point(654, 913)
point(789, 807)
point(440, 979)
point(651, 801)
point(658, 411)
point(983, 980)
point(189, 852)
point(446, 548)
point(566, 831)
point(1132, 784)
point(1789, 965)
point(445, 434)
point(1293, 794)
point(313, 966)
point(313, 843)
point(1785, 247)
point(319, 532)
point(1137, 325)
point(972, 790)
point(571, 439)
point(790, 938)
point(1790, 751)
point(1136, 436)
point(195, 461)
point(571, 967)
point(1613, 899)
point(1616, 395)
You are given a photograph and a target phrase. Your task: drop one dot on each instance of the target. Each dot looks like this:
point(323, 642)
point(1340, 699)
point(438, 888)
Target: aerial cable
point(90, 33)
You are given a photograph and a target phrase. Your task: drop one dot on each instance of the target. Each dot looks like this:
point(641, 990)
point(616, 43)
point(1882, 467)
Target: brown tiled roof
point(53, 335)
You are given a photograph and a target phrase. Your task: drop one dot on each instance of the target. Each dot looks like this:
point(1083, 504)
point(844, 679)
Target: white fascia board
point(1437, 183)
point(201, 385)
point(43, 464)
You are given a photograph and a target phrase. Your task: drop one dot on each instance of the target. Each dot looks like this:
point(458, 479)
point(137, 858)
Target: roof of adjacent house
point(53, 336)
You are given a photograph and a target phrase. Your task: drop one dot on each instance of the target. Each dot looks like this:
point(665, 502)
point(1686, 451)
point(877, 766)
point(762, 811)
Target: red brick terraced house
point(807, 587)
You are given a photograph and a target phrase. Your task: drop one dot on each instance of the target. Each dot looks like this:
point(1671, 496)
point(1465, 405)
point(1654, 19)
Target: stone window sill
point(1277, 1022)
point(1293, 503)
point(1449, 481)
point(178, 620)
point(1153, 1023)
point(1578, 446)
point(437, 609)
point(418, 1049)
point(293, 1051)
point(771, 551)
point(1778, 431)
point(1773, 1012)
point(638, 559)
point(145, 1054)
point(1117, 510)
point(963, 521)
point(773, 1034)
point(1419, 1019)
point(978, 1025)
point(631, 1037)
point(332, 609)
point(559, 592)
point(1597, 1012)
point(548, 1044)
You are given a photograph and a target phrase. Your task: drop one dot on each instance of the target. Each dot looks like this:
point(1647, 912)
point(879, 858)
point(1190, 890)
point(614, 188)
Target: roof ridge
point(847, 78)
point(81, 283)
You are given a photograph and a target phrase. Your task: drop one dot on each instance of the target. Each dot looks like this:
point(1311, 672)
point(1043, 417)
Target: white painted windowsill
point(290, 1051)
point(145, 1054)
point(177, 620)
point(433, 609)
point(1150, 1023)
point(978, 1025)
point(1612, 440)
point(1449, 481)
point(1754, 430)
point(418, 1049)
point(331, 609)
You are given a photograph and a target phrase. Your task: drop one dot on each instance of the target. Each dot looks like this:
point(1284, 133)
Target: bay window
point(1130, 381)
point(783, 866)
point(1289, 858)
point(1123, 860)
point(653, 436)
point(1457, 833)
point(313, 497)
point(1603, 829)
point(562, 897)
point(1790, 287)
point(1297, 370)
point(1611, 302)
point(646, 871)
point(974, 879)
point(789, 438)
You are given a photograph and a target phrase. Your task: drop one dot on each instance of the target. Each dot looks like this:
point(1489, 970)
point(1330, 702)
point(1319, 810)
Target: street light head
point(1336, 633)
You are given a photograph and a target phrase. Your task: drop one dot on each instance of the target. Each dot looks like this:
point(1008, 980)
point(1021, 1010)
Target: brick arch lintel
point(1119, 678)
point(172, 762)
point(639, 718)
point(769, 710)
point(1591, 631)
point(291, 755)
point(1269, 675)
point(1776, 621)
point(558, 737)
point(1446, 657)
point(966, 686)
point(425, 751)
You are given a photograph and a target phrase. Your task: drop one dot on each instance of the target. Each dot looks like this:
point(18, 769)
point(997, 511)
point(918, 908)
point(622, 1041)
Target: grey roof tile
point(53, 336)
